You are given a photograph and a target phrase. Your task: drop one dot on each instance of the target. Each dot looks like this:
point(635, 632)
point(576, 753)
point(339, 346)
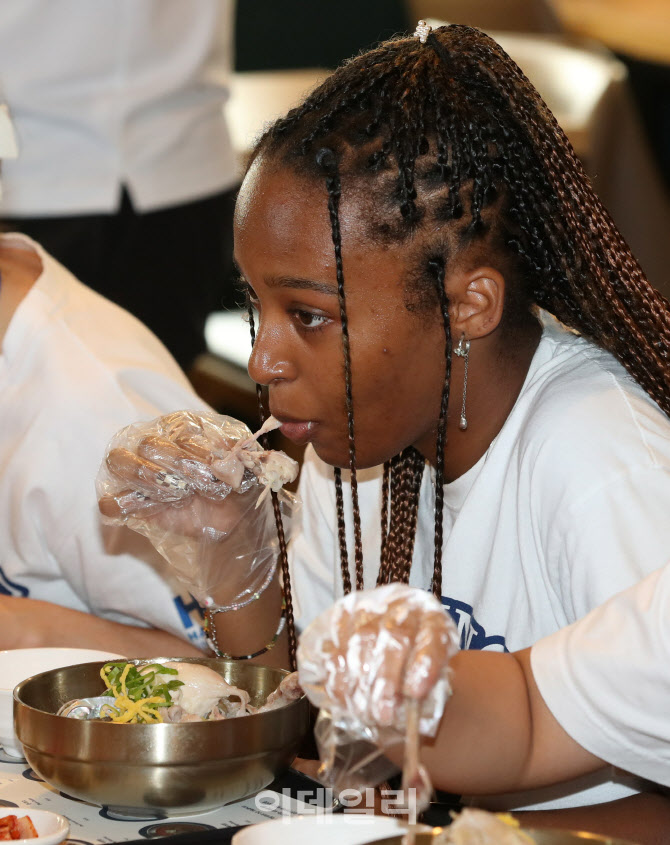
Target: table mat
point(90, 824)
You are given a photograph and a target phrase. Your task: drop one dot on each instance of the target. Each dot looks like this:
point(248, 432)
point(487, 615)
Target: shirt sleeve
point(114, 572)
point(612, 537)
point(605, 678)
point(600, 491)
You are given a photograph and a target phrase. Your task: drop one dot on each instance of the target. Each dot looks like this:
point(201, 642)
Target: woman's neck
point(19, 270)
point(495, 379)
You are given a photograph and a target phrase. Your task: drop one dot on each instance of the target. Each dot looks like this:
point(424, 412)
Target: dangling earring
point(463, 351)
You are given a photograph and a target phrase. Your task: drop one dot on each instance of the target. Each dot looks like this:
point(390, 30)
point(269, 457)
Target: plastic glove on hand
point(377, 664)
point(183, 455)
point(192, 483)
point(371, 651)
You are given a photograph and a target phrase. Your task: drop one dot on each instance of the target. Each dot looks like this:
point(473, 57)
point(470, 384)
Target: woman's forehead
point(274, 214)
point(268, 191)
point(275, 202)
point(283, 230)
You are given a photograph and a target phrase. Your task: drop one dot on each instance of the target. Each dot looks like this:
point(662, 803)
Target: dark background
point(273, 34)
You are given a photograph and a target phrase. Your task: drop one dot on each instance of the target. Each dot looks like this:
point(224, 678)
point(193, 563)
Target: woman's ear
point(476, 300)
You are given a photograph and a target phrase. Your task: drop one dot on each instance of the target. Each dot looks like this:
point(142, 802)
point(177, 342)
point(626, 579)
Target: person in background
point(74, 368)
point(127, 172)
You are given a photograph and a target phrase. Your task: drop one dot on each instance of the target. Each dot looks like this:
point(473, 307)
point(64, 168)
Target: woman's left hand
point(374, 649)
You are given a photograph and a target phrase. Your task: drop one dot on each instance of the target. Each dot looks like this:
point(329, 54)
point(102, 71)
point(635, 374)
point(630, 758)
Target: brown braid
point(437, 266)
point(342, 532)
point(617, 276)
point(445, 145)
point(326, 160)
point(383, 574)
point(286, 583)
point(281, 536)
point(406, 472)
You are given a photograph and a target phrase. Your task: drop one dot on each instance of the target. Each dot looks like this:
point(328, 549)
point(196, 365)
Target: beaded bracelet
point(238, 605)
point(210, 632)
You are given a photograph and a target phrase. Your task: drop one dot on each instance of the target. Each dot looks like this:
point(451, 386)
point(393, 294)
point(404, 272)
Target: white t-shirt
point(115, 92)
point(606, 678)
point(74, 369)
point(568, 506)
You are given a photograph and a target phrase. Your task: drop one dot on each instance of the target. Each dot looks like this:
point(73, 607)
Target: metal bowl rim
point(19, 688)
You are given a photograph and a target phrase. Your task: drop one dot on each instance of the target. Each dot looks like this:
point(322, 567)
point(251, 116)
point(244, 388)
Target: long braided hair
point(447, 144)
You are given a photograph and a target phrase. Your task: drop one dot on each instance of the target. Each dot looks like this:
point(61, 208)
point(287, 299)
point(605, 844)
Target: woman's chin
point(333, 457)
point(340, 457)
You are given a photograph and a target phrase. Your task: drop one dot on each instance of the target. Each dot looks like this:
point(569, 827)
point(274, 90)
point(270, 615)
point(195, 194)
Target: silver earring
point(463, 351)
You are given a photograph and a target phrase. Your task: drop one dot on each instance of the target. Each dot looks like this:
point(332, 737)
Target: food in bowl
point(479, 827)
point(13, 827)
point(173, 691)
point(39, 827)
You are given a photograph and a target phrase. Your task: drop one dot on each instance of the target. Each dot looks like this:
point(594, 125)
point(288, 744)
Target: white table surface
point(19, 787)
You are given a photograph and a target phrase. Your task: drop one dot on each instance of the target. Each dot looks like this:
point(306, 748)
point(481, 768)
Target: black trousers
point(170, 268)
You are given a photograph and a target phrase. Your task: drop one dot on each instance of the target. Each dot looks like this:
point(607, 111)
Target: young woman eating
point(410, 237)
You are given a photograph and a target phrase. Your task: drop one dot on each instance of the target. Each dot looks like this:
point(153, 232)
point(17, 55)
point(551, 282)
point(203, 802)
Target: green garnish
point(147, 683)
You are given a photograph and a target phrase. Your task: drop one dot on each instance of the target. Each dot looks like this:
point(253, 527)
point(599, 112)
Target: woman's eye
point(309, 320)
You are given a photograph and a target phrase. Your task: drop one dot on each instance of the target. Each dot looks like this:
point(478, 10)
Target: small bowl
point(157, 769)
point(324, 828)
point(17, 664)
point(51, 827)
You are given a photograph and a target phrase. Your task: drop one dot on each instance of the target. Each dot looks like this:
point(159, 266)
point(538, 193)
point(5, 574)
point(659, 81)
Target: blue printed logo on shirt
point(471, 633)
point(191, 615)
point(9, 588)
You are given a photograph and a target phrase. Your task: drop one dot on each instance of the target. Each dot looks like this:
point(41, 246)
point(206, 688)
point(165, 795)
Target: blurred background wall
point(618, 91)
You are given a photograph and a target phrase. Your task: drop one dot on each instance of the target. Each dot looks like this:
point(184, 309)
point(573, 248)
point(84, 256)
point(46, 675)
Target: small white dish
point(17, 664)
point(324, 829)
point(51, 827)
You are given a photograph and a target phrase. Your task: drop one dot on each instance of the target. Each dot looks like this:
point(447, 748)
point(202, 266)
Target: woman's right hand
point(191, 483)
point(172, 466)
point(373, 650)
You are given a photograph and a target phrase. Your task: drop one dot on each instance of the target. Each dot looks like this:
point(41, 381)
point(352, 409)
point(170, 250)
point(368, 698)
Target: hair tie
point(422, 31)
point(426, 35)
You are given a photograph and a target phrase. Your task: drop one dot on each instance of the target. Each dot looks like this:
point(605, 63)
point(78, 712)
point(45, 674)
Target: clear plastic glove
point(369, 662)
point(197, 485)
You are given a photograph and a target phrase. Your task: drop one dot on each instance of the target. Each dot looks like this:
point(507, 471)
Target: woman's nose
point(269, 361)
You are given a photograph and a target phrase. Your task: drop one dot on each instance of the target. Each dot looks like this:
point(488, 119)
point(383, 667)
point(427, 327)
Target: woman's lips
point(298, 431)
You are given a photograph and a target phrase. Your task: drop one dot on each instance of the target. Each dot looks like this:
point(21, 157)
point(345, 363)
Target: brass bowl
point(540, 837)
point(159, 769)
point(572, 837)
